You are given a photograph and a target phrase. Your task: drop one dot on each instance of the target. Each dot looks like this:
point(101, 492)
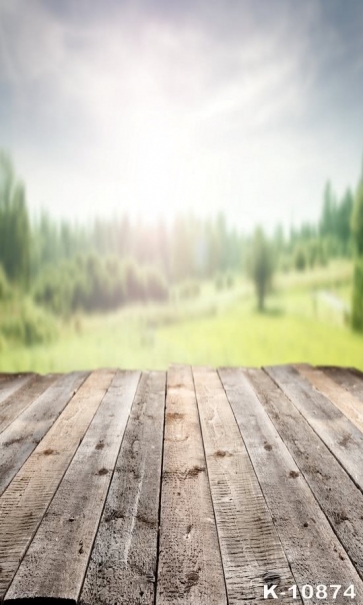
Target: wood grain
point(23, 435)
point(341, 436)
point(189, 568)
point(304, 530)
point(347, 378)
point(347, 403)
point(339, 498)
point(25, 501)
point(122, 568)
point(55, 564)
point(28, 389)
point(250, 546)
point(11, 384)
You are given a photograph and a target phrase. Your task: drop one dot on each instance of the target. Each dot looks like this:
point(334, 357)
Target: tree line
point(106, 263)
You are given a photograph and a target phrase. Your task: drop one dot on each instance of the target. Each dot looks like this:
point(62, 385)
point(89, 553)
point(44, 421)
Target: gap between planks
point(56, 561)
point(24, 502)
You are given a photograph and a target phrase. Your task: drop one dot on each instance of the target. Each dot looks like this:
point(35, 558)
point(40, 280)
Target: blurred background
point(180, 182)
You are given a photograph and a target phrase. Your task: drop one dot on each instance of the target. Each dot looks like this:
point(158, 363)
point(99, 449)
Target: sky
point(161, 106)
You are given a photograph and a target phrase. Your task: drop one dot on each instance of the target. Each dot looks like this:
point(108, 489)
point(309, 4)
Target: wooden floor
point(195, 486)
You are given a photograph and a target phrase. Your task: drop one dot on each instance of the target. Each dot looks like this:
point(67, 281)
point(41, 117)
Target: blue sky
point(246, 106)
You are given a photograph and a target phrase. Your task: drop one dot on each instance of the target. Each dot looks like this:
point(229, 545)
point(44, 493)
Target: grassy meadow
point(304, 320)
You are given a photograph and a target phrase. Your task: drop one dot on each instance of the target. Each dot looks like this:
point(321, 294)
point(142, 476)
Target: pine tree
point(14, 225)
point(357, 220)
point(261, 266)
point(357, 230)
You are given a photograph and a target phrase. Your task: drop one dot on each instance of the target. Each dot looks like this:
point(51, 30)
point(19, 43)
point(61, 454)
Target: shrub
point(92, 283)
point(28, 325)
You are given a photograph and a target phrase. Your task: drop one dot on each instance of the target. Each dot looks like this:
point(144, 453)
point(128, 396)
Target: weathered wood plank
point(55, 564)
point(11, 383)
point(340, 499)
point(349, 405)
point(23, 435)
point(189, 567)
point(4, 376)
point(347, 378)
point(314, 552)
point(250, 546)
point(25, 501)
point(19, 394)
point(122, 568)
point(341, 436)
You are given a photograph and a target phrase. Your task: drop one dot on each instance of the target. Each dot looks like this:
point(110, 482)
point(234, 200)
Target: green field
point(217, 328)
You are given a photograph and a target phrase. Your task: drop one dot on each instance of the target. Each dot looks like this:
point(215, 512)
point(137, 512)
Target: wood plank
point(347, 378)
point(25, 501)
point(304, 530)
point(122, 568)
point(336, 493)
point(23, 435)
point(56, 561)
point(189, 567)
point(250, 546)
point(349, 405)
point(341, 436)
point(7, 376)
point(17, 394)
point(11, 383)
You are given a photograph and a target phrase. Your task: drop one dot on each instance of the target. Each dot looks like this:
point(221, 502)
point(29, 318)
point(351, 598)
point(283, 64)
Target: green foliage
point(234, 335)
point(357, 230)
point(328, 218)
point(300, 260)
point(5, 289)
point(95, 283)
point(14, 225)
point(333, 237)
point(189, 249)
point(344, 220)
point(261, 265)
point(357, 220)
point(111, 263)
point(134, 282)
point(357, 301)
point(25, 323)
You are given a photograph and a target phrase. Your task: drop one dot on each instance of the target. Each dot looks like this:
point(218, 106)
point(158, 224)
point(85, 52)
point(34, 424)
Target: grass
point(215, 329)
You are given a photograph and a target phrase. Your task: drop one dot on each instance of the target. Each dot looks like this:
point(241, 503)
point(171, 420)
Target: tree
point(328, 214)
point(261, 265)
point(14, 224)
point(300, 258)
point(357, 220)
point(344, 220)
point(357, 231)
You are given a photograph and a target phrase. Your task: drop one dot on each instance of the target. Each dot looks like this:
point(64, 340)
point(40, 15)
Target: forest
point(51, 270)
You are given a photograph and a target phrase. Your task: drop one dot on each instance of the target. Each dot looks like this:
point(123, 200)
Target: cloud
point(156, 107)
